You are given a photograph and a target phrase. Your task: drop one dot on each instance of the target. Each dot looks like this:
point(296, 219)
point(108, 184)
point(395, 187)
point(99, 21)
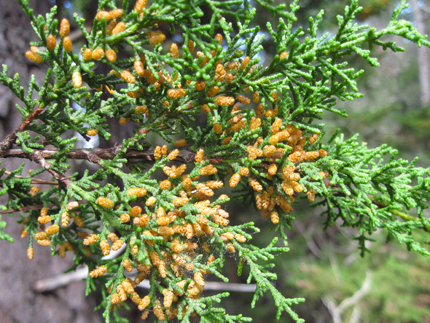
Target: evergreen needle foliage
point(174, 230)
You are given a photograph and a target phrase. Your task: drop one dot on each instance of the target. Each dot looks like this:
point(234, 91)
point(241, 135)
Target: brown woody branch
point(37, 157)
point(8, 142)
point(94, 155)
point(34, 180)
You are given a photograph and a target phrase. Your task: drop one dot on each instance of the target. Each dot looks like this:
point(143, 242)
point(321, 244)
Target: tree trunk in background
point(423, 55)
point(18, 302)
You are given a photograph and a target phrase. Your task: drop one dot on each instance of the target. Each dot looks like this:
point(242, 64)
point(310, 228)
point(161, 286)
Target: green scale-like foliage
point(276, 144)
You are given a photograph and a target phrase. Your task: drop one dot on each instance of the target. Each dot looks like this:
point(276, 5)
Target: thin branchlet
point(259, 136)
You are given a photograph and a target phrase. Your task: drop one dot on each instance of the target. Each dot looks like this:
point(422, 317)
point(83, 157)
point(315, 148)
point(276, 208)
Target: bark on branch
point(37, 157)
point(34, 180)
point(94, 155)
point(8, 142)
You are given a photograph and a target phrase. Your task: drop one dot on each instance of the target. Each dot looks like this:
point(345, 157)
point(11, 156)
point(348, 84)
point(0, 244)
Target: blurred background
point(388, 285)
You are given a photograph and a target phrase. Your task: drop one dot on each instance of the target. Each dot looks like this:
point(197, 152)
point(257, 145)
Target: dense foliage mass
point(261, 133)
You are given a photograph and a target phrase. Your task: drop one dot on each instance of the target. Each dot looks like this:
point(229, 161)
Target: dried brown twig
point(8, 142)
